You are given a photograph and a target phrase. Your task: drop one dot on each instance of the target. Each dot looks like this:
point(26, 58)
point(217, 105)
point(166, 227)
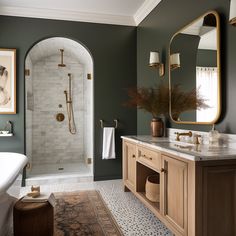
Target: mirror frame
point(218, 71)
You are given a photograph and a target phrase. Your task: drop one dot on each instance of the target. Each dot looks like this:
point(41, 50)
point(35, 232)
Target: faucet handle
point(196, 138)
point(177, 136)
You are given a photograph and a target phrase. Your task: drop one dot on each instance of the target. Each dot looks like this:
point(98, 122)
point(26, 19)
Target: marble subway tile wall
point(52, 141)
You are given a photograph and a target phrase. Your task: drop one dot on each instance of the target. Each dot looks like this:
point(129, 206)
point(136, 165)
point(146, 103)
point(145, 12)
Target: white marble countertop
point(189, 151)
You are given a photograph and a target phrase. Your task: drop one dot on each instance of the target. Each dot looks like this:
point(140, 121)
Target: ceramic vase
point(157, 127)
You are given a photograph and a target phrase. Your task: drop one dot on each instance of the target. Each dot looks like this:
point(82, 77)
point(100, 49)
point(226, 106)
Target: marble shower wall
point(52, 141)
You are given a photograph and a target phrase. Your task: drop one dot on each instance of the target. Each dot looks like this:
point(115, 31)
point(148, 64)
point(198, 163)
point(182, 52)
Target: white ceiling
point(209, 40)
point(122, 12)
point(208, 34)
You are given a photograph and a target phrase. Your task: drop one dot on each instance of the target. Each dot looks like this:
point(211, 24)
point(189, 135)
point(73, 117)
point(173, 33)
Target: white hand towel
point(108, 148)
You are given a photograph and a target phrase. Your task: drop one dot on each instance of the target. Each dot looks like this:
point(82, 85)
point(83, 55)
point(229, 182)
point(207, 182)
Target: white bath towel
point(108, 147)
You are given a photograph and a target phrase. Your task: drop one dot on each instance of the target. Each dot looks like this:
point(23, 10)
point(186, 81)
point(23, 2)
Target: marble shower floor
point(43, 174)
point(131, 215)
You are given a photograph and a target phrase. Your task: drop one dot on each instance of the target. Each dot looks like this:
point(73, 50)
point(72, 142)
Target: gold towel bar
point(115, 120)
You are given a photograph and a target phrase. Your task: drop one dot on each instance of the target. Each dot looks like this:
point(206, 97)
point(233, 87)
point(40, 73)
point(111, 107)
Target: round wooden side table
point(33, 219)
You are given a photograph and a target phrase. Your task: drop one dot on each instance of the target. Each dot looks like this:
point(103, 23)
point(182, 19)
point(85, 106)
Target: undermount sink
point(187, 147)
point(182, 144)
point(11, 164)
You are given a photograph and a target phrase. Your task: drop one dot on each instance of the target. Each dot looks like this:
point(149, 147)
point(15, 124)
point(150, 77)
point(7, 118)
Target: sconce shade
point(232, 13)
point(174, 61)
point(154, 59)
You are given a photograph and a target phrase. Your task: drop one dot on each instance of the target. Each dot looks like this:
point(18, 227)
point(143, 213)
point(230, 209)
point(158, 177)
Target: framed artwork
point(7, 81)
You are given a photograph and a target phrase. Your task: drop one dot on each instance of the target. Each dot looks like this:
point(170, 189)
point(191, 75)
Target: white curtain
point(206, 82)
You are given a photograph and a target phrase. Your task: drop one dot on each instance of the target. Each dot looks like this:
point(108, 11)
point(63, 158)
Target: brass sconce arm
point(160, 66)
point(154, 61)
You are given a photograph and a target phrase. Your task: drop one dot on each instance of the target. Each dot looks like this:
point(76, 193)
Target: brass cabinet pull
point(133, 156)
point(163, 170)
point(144, 156)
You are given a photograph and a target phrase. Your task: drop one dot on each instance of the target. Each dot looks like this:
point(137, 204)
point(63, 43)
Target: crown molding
point(144, 10)
point(57, 14)
point(67, 15)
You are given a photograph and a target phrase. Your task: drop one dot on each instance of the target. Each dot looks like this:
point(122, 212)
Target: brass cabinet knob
point(163, 170)
point(146, 157)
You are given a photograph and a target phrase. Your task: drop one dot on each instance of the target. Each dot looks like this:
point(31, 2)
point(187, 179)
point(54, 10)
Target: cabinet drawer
point(150, 157)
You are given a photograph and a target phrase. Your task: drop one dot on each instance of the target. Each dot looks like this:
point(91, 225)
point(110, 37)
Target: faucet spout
point(189, 134)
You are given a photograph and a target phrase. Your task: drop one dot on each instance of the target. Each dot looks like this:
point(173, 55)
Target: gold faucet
point(183, 134)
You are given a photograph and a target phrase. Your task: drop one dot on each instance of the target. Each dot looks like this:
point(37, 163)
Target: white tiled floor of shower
point(74, 172)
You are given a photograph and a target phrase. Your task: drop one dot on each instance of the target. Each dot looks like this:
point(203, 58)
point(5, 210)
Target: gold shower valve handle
point(60, 117)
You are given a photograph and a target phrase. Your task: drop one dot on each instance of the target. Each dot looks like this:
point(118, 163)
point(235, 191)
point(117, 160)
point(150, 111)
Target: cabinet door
point(129, 164)
point(174, 175)
point(219, 201)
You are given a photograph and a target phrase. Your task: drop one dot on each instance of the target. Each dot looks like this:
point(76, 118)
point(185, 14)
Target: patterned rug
point(83, 214)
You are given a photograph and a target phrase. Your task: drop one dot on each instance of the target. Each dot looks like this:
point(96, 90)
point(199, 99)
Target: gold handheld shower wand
point(62, 55)
point(69, 105)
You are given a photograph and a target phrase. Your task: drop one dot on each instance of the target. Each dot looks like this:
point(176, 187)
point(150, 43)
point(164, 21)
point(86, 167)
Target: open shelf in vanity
point(143, 172)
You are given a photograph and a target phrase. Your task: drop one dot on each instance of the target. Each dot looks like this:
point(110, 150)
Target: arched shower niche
point(59, 111)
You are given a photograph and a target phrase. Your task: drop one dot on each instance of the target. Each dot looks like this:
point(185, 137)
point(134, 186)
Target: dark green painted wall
point(185, 75)
point(207, 58)
point(113, 49)
point(155, 32)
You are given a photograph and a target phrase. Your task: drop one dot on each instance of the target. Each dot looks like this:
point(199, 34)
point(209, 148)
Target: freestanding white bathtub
point(11, 166)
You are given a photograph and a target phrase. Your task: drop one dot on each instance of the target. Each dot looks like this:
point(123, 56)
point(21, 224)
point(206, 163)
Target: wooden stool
point(33, 219)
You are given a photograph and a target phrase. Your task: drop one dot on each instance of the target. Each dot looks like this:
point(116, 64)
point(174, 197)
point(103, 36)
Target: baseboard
point(100, 178)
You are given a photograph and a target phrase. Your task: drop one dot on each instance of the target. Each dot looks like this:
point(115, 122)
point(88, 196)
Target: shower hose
point(69, 106)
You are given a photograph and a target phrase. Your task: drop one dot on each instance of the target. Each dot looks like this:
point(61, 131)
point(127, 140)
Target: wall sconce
point(154, 61)
point(232, 13)
point(174, 61)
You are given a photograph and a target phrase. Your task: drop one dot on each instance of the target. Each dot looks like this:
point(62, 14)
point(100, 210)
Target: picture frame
point(7, 81)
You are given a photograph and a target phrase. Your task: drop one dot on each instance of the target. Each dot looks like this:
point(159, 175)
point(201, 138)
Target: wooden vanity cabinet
point(197, 198)
point(129, 165)
point(140, 162)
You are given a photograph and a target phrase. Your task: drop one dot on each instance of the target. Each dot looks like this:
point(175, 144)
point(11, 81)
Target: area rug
point(83, 213)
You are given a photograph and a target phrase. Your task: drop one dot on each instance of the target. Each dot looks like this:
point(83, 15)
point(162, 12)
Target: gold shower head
point(62, 64)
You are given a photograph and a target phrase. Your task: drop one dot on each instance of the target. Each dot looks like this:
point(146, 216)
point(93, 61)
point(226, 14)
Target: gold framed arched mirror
point(194, 72)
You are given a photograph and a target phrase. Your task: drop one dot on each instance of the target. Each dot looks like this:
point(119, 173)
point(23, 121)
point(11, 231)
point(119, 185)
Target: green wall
point(207, 58)
point(113, 49)
point(185, 75)
point(155, 33)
